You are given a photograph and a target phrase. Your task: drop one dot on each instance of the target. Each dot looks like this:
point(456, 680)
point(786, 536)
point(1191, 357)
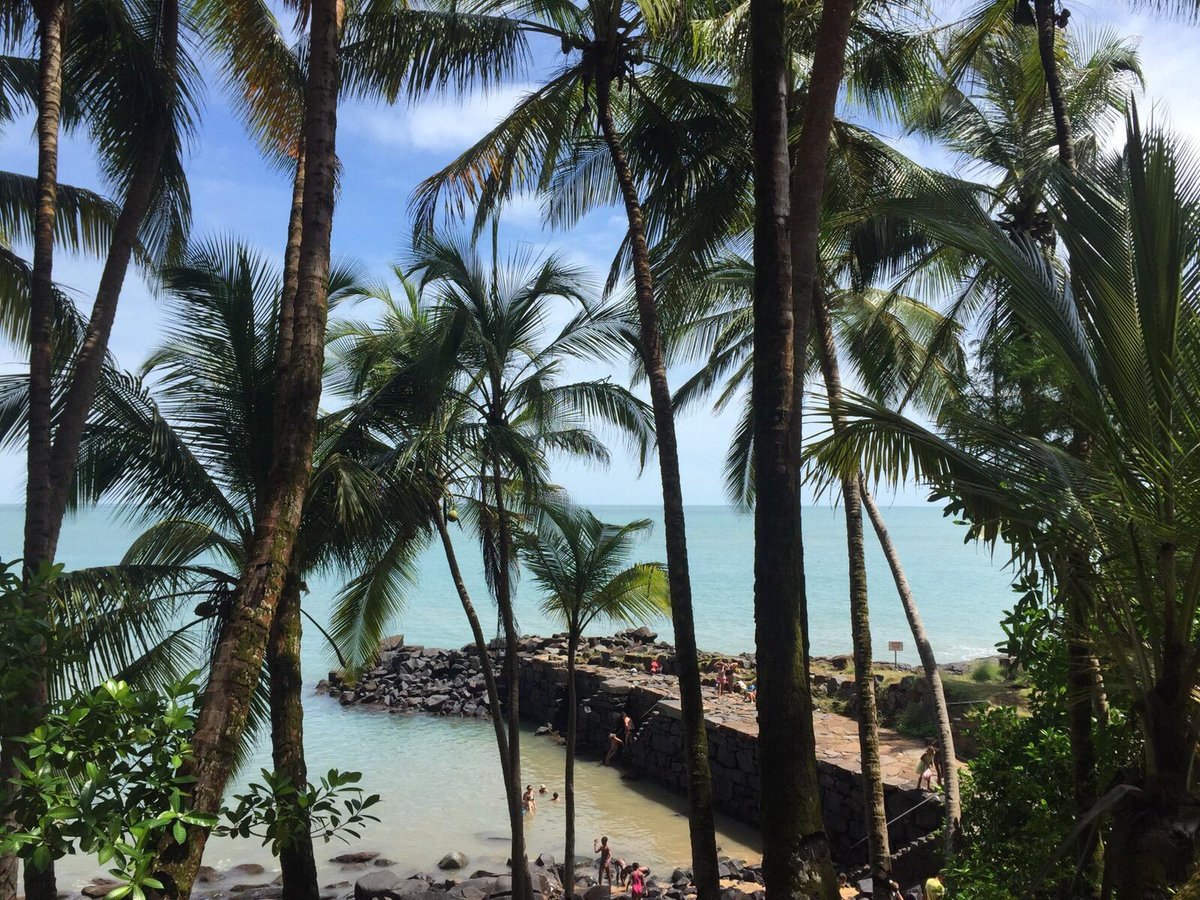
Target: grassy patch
point(985, 671)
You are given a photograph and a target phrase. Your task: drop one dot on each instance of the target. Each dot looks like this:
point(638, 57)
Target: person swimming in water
point(528, 803)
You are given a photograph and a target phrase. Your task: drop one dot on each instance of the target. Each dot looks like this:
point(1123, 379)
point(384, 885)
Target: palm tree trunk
point(929, 664)
point(569, 776)
point(1043, 12)
point(701, 827)
point(40, 541)
point(239, 655)
point(291, 265)
point(1081, 726)
point(796, 859)
point(521, 888)
point(511, 788)
point(89, 361)
point(860, 625)
point(297, 861)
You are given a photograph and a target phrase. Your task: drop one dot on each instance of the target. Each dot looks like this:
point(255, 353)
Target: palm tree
point(795, 849)
point(196, 449)
point(123, 65)
point(1121, 325)
point(461, 384)
point(581, 566)
point(244, 639)
point(574, 123)
point(992, 109)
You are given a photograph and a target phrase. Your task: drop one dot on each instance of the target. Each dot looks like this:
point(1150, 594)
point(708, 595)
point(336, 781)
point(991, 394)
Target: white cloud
point(449, 124)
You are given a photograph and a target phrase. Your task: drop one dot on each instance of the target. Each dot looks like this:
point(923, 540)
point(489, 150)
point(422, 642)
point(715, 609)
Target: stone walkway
point(836, 735)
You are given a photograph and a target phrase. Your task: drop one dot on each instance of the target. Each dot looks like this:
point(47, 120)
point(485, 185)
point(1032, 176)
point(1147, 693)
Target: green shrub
point(105, 775)
point(916, 721)
point(986, 670)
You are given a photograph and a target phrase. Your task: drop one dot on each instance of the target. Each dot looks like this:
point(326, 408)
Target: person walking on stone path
point(927, 768)
point(604, 864)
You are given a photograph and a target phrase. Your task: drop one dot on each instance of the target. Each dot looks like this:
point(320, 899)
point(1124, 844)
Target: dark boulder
point(358, 856)
point(455, 860)
point(473, 889)
point(98, 887)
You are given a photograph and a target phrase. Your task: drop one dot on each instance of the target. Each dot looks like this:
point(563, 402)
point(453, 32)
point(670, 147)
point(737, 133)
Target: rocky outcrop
point(546, 879)
point(417, 680)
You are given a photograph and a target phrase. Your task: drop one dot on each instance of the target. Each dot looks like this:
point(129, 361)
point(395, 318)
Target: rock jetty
point(616, 678)
point(441, 682)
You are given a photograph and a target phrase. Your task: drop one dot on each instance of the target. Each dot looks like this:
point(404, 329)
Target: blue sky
point(386, 151)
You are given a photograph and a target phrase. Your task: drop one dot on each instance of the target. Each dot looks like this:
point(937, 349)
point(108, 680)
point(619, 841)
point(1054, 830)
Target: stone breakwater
point(613, 680)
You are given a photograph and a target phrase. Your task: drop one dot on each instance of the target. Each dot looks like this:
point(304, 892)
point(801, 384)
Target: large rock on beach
point(387, 885)
point(473, 889)
point(358, 856)
point(455, 860)
point(257, 891)
point(98, 887)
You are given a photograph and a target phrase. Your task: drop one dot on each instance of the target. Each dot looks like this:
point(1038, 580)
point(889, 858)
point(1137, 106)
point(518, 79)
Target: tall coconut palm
point(243, 642)
point(196, 448)
point(993, 110)
point(786, 225)
point(464, 384)
point(577, 120)
point(124, 65)
point(581, 567)
point(1118, 323)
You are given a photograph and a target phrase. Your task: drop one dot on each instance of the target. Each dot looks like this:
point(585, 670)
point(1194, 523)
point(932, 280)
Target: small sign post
point(896, 647)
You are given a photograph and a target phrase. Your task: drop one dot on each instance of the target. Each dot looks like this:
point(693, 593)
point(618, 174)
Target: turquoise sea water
point(439, 777)
point(960, 589)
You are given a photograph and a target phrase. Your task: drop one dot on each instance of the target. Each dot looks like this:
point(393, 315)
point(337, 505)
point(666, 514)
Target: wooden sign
point(895, 646)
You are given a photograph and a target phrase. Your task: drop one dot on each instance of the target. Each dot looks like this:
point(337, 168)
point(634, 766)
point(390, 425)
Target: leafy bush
point(1017, 801)
point(916, 721)
point(280, 814)
point(107, 776)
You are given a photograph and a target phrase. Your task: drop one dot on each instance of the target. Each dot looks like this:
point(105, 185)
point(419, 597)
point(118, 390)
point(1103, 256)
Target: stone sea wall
point(612, 683)
point(656, 754)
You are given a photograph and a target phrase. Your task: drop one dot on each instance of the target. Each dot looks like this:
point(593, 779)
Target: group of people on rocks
point(616, 741)
point(729, 683)
point(631, 875)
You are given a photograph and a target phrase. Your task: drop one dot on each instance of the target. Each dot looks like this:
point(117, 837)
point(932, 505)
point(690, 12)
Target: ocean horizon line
point(722, 506)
